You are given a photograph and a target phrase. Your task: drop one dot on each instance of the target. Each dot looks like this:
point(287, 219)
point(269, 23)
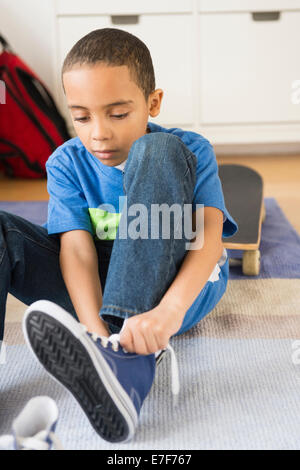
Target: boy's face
point(108, 109)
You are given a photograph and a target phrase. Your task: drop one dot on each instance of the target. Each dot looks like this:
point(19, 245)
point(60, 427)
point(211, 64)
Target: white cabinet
point(214, 6)
point(248, 65)
point(226, 67)
point(172, 58)
point(121, 7)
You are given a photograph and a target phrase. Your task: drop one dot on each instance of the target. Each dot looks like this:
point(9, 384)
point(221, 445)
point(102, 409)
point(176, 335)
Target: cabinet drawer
point(210, 6)
point(118, 7)
point(248, 67)
point(171, 54)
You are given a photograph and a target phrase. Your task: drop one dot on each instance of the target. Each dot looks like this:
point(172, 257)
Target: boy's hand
point(149, 332)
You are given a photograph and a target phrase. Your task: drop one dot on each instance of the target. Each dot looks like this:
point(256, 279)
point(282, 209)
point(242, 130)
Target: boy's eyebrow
point(116, 103)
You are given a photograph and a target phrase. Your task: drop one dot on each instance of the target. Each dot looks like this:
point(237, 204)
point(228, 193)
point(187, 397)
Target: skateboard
point(243, 190)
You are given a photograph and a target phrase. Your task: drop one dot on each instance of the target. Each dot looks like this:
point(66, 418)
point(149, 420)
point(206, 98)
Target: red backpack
point(31, 127)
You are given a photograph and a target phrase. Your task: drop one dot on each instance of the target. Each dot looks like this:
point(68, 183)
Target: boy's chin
point(111, 163)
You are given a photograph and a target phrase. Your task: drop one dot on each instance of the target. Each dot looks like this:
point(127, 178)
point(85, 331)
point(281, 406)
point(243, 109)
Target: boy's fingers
point(151, 343)
point(136, 338)
point(140, 346)
point(126, 340)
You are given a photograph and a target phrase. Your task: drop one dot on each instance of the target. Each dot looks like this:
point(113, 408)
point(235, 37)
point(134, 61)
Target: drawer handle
point(124, 19)
point(266, 15)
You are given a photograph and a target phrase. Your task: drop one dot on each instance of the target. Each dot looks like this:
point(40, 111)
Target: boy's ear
point(155, 100)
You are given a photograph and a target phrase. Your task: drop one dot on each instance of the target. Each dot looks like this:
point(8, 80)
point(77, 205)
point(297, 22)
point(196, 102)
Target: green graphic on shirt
point(105, 224)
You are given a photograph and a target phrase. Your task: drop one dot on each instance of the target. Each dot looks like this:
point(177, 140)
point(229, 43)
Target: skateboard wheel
point(251, 263)
point(264, 214)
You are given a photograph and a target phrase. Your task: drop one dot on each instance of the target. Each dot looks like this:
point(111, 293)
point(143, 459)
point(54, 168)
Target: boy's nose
point(101, 131)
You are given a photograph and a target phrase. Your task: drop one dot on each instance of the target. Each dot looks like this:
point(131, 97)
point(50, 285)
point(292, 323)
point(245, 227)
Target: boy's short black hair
point(114, 47)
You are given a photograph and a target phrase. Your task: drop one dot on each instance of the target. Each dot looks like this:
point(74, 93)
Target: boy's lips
point(104, 153)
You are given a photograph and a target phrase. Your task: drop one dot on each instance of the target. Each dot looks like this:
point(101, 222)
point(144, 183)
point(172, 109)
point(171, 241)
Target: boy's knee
point(3, 224)
point(163, 145)
point(157, 140)
point(4, 216)
point(8, 221)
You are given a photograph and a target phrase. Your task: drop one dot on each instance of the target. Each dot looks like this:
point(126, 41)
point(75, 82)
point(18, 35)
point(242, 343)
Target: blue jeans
point(134, 273)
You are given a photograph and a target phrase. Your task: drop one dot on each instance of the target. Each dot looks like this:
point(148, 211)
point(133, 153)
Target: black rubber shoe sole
point(66, 359)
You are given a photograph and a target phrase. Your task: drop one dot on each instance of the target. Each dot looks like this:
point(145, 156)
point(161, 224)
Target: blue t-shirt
point(78, 183)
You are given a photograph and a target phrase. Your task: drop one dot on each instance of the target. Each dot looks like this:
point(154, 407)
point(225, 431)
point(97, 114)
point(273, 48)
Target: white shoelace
point(36, 442)
point(174, 373)
point(115, 341)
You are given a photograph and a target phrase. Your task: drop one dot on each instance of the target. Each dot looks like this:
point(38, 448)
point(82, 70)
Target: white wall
point(28, 25)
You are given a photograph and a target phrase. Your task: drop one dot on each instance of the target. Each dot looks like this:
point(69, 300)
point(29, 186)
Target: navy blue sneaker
point(109, 383)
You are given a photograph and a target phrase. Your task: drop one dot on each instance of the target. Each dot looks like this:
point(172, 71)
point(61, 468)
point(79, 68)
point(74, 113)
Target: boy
point(153, 283)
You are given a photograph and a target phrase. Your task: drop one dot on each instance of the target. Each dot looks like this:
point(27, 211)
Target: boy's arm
point(150, 331)
point(79, 266)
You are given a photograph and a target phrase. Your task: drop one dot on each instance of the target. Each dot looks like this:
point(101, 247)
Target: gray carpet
point(235, 394)
point(239, 370)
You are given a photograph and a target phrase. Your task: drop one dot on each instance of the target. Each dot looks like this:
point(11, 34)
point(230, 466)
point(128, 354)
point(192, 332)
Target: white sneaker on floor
point(34, 427)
